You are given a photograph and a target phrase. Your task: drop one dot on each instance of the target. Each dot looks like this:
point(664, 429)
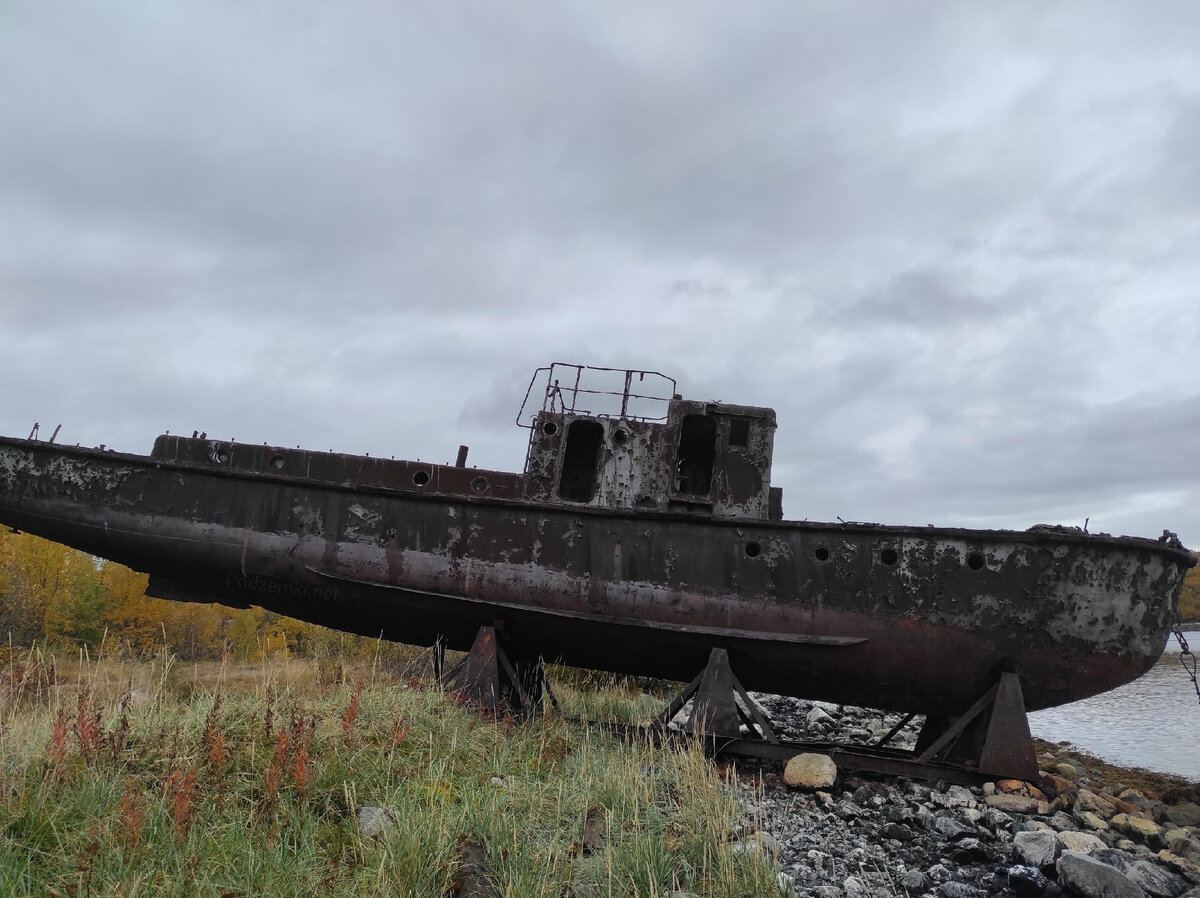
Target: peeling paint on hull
point(911, 619)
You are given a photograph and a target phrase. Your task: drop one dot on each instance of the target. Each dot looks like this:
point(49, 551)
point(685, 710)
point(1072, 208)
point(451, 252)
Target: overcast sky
point(956, 246)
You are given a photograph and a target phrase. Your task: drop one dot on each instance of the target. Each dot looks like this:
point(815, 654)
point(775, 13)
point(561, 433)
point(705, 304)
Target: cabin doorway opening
point(697, 452)
point(581, 457)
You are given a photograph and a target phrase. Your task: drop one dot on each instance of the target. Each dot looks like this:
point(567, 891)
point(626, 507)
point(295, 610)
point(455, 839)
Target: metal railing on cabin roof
point(566, 397)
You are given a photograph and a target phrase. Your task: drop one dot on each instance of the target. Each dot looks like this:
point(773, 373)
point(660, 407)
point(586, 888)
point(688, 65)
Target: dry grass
point(160, 779)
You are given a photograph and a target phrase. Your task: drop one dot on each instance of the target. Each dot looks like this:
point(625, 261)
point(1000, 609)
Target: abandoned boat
point(638, 539)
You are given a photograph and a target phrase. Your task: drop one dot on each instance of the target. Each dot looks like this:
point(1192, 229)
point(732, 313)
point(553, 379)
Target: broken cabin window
point(739, 432)
point(697, 451)
point(580, 459)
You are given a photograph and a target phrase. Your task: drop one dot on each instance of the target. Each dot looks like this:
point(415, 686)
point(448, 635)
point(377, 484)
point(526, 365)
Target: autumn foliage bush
point(1189, 599)
point(55, 596)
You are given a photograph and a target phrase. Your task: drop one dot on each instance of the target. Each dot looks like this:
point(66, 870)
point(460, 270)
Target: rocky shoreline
point(1087, 830)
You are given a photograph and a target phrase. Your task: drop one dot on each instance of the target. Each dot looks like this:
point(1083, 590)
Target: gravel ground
point(1088, 829)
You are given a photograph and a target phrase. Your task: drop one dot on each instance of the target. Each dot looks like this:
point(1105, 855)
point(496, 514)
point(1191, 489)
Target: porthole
point(221, 455)
point(277, 462)
point(975, 561)
point(421, 478)
point(753, 550)
point(479, 484)
point(821, 553)
point(620, 435)
point(549, 428)
point(889, 556)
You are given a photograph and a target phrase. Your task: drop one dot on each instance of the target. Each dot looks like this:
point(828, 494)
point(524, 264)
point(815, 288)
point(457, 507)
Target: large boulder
point(1086, 876)
point(1085, 843)
point(1154, 879)
point(1140, 830)
point(1186, 814)
point(1012, 804)
point(810, 771)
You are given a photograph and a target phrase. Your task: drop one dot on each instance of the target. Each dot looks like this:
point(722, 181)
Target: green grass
point(247, 782)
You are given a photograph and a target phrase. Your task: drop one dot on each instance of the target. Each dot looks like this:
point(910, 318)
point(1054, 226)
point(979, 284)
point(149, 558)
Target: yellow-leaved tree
point(1189, 598)
point(49, 591)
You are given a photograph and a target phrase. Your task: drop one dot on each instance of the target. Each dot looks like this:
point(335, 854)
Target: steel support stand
point(715, 709)
point(992, 736)
point(487, 679)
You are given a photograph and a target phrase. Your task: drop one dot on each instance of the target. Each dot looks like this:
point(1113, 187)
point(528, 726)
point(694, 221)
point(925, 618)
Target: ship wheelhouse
point(623, 438)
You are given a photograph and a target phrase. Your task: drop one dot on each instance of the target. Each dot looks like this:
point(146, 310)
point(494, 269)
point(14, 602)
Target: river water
point(1153, 722)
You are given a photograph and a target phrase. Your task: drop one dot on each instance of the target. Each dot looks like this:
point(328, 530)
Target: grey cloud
point(954, 246)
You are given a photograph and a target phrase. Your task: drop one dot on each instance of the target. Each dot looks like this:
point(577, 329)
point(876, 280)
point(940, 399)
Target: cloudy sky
point(956, 246)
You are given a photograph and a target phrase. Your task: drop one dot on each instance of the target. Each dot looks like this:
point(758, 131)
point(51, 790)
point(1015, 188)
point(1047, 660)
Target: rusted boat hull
point(911, 619)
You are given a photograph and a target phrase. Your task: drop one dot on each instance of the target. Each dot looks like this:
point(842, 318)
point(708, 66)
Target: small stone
point(862, 795)
point(1059, 784)
point(938, 873)
point(854, 887)
point(810, 771)
point(593, 829)
point(950, 829)
point(817, 716)
point(955, 889)
point(1120, 804)
point(818, 858)
point(1066, 771)
point(1180, 843)
point(897, 831)
point(1012, 787)
point(1089, 802)
point(1029, 882)
point(913, 881)
point(1012, 804)
point(1091, 821)
point(1084, 843)
point(970, 851)
point(1062, 822)
point(996, 820)
point(759, 843)
point(954, 797)
point(917, 792)
point(1093, 879)
point(1038, 848)
point(373, 821)
point(847, 810)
